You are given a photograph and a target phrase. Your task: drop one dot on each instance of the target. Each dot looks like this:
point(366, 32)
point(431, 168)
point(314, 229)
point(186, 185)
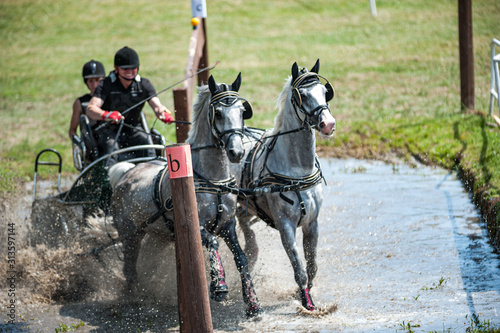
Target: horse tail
point(116, 172)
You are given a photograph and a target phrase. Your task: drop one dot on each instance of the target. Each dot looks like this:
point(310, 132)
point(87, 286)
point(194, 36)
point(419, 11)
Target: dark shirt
point(117, 98)
point(84, 102)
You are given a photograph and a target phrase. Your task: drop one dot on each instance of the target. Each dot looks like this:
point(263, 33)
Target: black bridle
point(305, 80)
point(217, 99)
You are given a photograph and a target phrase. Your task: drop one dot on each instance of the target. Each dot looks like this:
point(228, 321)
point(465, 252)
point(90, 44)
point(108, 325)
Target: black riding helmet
point(126, 58)
point(93, 69)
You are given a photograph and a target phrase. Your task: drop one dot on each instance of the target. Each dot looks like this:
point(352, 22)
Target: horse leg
point(310, 245)
point(249, 295)
point(130, 254)
point(251, 247)
point(218, 286)
point(287, 232)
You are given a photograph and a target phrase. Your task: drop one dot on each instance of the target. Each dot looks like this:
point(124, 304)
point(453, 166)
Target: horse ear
point(315, 68)
point(295, 71)
point(211, 84)
point(235, 86)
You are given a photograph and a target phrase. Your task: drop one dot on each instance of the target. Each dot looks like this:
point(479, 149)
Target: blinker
point(330, 92)
point(248, 113)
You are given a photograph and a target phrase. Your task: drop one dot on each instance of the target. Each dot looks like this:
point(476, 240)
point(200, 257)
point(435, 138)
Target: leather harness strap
point(202, 185)
point(275, 182)
point(163, 205)
point(219, 187)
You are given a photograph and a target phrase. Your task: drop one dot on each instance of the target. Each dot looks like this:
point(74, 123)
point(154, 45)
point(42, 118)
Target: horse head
point(310, 96)
point(226, 115)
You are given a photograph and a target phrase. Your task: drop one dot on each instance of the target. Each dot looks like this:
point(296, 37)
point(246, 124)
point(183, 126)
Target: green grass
point(474, 325)
point(396, 75)
point(69, 328)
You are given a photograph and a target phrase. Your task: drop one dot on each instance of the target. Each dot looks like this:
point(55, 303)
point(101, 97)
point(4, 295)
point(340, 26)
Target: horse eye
point(218, 113)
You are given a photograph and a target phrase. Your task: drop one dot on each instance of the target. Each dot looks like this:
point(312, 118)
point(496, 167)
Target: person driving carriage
point(93, 72)
point(121, 90)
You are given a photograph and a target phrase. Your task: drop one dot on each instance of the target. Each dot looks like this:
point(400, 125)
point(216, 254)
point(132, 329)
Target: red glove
point(166, 117)
point(112, 116)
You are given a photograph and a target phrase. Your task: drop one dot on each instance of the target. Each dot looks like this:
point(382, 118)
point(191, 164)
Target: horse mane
point(199, 121)
point(280, 105)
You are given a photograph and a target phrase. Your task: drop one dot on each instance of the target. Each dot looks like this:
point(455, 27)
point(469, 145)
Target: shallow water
point(405, 245)
point(397, 245)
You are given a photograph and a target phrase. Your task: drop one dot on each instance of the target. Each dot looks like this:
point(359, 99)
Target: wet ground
point(398, 246)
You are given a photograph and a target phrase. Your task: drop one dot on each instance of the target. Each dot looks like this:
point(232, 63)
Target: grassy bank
point(396, 75)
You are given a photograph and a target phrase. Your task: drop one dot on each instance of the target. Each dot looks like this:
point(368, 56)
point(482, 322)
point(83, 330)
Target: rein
point(163, 90)
point(204, 147)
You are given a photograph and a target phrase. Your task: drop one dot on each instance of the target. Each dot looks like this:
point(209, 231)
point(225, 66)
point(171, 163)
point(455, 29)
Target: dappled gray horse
point(215, 138)
point(280, 175)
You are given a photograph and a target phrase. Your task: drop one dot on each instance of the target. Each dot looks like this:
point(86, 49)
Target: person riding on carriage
point(84, 148)
point(93, 72)
point(114, 100)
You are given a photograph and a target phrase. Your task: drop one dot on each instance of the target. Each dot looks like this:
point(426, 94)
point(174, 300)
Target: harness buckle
point(302, 207)
point(220, 208)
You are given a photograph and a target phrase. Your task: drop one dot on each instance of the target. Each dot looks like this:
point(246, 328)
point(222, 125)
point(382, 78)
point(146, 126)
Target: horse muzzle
point(234, 148)
point(327, 126)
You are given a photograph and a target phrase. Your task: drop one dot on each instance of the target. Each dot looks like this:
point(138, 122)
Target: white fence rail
point(495, 77)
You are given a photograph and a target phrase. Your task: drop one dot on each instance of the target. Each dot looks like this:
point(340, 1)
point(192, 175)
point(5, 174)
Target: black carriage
point(58, 217)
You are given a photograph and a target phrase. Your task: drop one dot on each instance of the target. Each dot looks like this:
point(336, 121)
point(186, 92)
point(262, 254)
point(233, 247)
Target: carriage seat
point(85, 147)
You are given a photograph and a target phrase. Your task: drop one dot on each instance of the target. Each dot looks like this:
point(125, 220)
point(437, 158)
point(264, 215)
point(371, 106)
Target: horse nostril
point(322, 124)
point(235, 155)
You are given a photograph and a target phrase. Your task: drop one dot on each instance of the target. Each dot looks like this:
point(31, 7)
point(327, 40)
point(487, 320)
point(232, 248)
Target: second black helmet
point(92, 69)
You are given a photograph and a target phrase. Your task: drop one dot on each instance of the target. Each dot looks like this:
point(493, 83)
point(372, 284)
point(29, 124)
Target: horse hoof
point(306, 299)
point(253, 311)
point(218, 292)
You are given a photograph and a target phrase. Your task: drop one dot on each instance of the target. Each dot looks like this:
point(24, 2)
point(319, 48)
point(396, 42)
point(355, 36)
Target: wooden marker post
point(194, 305)
point(466, 48)
point(182, 111)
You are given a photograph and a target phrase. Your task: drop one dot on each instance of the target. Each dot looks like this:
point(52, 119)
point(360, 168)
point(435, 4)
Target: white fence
point(495, 79)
